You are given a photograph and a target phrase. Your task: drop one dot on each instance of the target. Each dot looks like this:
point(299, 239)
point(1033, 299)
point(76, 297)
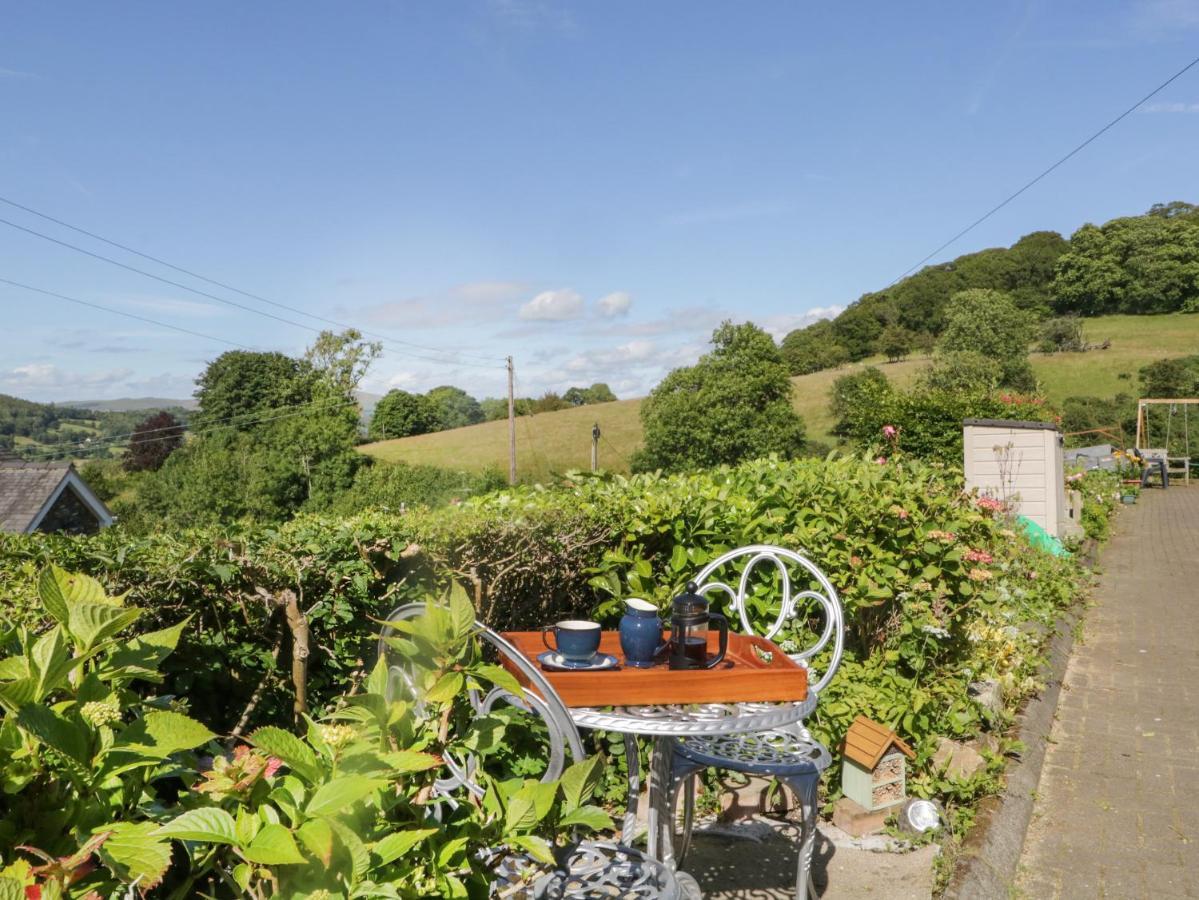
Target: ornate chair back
point(795, 599)
point(563, 745)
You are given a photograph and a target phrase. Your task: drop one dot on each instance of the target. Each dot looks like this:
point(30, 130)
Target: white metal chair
point(787, 753)
point(585, 869)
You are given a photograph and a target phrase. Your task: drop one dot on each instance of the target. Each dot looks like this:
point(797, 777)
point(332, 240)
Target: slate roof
point(867, 742)
point(26, 488)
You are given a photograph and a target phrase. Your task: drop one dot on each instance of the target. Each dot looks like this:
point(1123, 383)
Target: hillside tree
point(402, 414)
point(989, 322)
point(455, 408)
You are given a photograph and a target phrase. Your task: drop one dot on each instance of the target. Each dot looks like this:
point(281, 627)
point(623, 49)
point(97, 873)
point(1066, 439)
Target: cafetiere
point(689, 625)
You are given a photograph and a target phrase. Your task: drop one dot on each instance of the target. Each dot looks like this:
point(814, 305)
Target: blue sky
point(590, 187)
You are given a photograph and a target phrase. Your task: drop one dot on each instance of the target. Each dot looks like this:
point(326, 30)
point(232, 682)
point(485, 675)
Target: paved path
point(1117, 811)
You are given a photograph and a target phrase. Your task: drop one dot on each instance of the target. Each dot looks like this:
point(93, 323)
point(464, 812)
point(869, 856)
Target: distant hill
point(557, 441)
point(130, 404)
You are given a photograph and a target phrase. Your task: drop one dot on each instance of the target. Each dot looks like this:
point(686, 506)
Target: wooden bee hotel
point(875, 772)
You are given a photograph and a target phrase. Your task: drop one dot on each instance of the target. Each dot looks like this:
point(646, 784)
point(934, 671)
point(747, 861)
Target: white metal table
point(677, 721)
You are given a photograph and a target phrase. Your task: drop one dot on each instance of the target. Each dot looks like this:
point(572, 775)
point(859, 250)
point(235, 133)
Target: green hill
point(557, 441)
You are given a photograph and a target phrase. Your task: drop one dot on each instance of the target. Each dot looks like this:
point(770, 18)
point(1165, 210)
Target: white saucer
point(556, 662)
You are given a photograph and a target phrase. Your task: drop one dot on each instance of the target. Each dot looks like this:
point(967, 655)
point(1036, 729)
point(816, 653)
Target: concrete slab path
point(1117, 810)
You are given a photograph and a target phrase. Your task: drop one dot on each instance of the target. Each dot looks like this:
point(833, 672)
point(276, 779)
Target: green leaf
point(500, 677)
point(299, 756)
point(448, 687)
point(51, 661)
point(56, 732)
point(462, 611)
point(535, 846)
point(134, 854)
point(93, 623)
point(274, 846)
point(530, 804)
point(398, 843)
point(334, 796)
point(164, 732)
point(580, 780)
point(317, 836)
point(360, 857)
point(592, 817)
point(143, 655)
point(411, 761)
point(210, 825)
point(453, 853)
point(376, 683)
point(57, 589)
point(11, 889)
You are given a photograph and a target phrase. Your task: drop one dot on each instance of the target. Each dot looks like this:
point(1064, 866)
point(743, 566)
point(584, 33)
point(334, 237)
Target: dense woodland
point(1135, 265)
point(48, 430)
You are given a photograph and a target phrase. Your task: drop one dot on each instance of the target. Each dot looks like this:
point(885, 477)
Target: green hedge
point(937, 593)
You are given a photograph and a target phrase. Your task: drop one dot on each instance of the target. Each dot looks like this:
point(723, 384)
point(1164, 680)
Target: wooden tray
point(743, 675)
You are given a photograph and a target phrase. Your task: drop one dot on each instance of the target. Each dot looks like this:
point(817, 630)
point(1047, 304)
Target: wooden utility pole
point(595, 436)
point(511, 423)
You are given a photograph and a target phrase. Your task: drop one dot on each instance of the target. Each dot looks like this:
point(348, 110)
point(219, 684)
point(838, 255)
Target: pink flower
point(889, 431)
point(882, 460)
point(855, 561)
point(272, 766)
point(979, 575)
point(947, 537)
point(990, 503)
point(899, 511)
point(978, 556)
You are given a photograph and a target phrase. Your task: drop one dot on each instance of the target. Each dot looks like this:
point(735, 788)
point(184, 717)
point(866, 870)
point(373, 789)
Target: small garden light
point(918, 816)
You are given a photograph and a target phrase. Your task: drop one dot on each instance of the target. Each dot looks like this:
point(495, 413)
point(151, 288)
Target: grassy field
point(555, 442)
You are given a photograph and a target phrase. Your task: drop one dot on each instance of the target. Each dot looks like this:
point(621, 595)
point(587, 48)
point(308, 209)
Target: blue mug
point(577, 640)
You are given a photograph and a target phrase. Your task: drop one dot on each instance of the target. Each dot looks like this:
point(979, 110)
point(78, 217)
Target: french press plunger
point(689, 621)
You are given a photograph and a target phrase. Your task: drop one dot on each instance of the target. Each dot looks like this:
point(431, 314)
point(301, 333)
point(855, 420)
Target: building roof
point(28, 491)
point(867, 742)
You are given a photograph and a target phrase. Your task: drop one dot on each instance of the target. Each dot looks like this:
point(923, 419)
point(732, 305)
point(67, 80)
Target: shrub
point(854, 392)
point(1062, 334)
point(962, 372)
point(896, 342)
point(395, 486)
point(1175, 377)
point(103, 776)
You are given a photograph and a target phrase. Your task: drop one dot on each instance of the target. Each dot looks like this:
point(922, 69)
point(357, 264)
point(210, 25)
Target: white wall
point(1021, 465)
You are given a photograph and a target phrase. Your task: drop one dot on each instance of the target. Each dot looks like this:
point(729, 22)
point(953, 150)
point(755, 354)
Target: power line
point(108, 445)
point(211, 296)
point(1073, 152)
point(128, 315)
point(229, 287)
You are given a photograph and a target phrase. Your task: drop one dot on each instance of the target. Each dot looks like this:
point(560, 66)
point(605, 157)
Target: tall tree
point(243, 385)
point(401, 414)
point(455, 407)
point(989, 322)
point(152, 442)
point(734, 404)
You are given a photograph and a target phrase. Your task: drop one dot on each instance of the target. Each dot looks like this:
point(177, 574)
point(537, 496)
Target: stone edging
point(987, 865)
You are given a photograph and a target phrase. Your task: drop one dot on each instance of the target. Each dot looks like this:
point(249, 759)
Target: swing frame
point(1143, 406)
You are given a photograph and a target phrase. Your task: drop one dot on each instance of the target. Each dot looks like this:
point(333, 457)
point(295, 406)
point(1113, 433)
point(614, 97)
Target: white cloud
point(1172, 108)
point(614, 304)
point(476, 301)
point(778, 326)
point(554, 306)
